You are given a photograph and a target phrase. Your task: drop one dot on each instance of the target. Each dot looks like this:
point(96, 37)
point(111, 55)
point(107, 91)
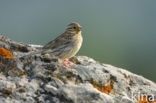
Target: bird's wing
point(61, 49)
point(63, 39)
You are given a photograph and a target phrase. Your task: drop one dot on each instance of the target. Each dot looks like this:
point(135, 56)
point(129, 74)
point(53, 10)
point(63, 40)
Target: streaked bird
point(67, 44)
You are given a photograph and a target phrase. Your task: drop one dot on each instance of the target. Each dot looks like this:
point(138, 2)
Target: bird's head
point(74, 27)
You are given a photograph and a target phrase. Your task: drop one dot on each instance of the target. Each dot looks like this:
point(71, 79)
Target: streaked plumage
point(67, 44)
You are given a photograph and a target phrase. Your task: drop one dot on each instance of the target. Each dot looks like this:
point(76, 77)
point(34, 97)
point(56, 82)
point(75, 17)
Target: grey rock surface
point(34, 78)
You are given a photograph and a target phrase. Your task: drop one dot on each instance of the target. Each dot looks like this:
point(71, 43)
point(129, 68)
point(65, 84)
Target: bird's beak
point(80, 27)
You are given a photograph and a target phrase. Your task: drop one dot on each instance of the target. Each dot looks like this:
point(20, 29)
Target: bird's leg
point(67, 63)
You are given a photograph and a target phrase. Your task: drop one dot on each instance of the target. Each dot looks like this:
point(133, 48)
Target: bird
point(67, 44)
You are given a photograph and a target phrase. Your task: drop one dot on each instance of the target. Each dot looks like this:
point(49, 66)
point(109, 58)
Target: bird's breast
point(73, 47)
point(77, 44)
point(79, 41)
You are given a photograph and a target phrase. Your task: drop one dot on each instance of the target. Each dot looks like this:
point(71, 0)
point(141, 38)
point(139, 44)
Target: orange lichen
point(107, 88)
point(6, 53)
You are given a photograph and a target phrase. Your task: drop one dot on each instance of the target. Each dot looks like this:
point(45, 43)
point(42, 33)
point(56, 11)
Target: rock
point(30, 77)
point(7, 87)
point(50, 88)
point(83, 93)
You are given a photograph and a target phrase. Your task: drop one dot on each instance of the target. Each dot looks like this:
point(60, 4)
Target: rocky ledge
point(26, 78)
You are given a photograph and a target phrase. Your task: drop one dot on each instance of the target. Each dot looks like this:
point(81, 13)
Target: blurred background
point(117, 32)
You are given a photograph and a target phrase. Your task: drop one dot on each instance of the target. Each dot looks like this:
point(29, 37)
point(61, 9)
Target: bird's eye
point(74, 27)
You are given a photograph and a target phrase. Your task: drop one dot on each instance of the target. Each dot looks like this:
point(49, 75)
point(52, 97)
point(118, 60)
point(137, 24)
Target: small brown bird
point(67, 44)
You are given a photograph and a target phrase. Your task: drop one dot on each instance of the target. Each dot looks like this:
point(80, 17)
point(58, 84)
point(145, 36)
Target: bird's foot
point(67, 63)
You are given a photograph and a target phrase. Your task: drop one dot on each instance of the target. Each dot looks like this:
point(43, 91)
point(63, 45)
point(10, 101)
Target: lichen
point(106, 88)
point(6, 53)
